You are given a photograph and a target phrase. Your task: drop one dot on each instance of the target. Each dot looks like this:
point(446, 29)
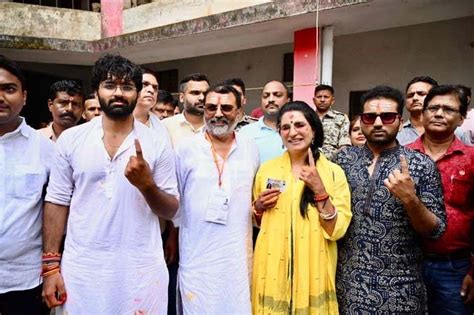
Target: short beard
point(271, 116)
point(381, 143)
point(117, 112)
point(221, 131)
point(193, 110)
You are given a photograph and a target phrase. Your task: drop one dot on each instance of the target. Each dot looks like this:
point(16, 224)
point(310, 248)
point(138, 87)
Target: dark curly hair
point(116, 66)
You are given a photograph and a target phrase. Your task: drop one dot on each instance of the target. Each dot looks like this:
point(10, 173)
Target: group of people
point(144, 211)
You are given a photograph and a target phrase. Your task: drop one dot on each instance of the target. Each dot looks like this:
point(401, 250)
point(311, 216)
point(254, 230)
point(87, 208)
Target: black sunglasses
point(387, 118)
point(225, 108)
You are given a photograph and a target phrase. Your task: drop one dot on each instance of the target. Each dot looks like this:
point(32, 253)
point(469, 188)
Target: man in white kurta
point(216, 221)
point(113, 259)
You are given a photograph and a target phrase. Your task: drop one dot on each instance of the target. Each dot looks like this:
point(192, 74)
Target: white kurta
point(113, 259)
point(215, 259)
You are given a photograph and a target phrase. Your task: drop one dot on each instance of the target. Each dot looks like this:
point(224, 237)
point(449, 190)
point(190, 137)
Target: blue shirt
point(267, 139)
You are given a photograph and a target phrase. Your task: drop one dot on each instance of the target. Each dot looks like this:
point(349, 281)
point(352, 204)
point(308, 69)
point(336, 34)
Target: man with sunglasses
point(396, 200)
point(239, 85)
point(111, 180)
point(447, 267)
point(215, 172)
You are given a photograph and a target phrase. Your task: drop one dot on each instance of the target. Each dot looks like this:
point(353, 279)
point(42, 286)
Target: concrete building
point(358, 43)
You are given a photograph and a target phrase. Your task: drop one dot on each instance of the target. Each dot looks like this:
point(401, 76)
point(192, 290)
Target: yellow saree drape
point(295, 259)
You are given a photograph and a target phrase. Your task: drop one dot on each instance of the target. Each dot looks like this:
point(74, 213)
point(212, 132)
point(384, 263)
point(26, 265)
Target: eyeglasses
point(225, 108)
point(387, 118)
point(112, 87)
point(433, 109)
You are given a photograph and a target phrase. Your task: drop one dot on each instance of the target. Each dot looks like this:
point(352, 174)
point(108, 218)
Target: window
point(288, 67)
point(168, 80)
point(354, 103)
point(67, 4)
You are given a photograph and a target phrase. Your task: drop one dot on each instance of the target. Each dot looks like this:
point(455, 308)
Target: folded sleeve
point(61, 184)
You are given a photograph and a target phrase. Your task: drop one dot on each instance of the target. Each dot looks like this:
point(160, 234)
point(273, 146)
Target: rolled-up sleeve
point(61, 183)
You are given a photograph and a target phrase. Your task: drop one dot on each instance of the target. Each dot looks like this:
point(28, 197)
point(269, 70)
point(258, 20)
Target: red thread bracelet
point(320, 198)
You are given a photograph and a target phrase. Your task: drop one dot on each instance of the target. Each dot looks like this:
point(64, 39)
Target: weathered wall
point(443, 50)
point(164, 12)
point(254, 66)
point(46, 22)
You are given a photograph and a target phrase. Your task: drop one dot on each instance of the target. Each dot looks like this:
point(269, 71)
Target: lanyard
point(220, 170)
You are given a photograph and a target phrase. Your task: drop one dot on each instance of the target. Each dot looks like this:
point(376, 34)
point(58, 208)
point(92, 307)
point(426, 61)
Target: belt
point(457, 255)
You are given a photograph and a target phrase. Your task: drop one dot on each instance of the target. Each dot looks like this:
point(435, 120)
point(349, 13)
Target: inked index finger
point(311, 158)
point(138, 149)
point(404, 165)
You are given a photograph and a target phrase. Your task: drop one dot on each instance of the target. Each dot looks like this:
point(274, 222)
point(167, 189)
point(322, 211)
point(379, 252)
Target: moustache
point(118, 99)
point(271, 104)
point(67, 114)
point(219, 120)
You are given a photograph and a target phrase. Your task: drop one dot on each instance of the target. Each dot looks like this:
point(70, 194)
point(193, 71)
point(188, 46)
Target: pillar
point(306, 64)
point(111, 17)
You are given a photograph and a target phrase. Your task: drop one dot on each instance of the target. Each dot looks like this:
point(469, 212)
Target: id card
point(218, 207)
point(276, 183)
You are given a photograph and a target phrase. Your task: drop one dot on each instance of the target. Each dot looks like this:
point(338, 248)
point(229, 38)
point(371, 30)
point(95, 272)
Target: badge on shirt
point(276, 183)
point(218, 207)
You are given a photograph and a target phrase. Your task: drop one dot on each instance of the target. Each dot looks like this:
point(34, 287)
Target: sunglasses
point(386, 118)
point(225, 108)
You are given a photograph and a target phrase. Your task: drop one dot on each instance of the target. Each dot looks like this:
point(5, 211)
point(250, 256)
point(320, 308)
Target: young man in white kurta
point(113, 239)
point(216, 230)
point(113, 259)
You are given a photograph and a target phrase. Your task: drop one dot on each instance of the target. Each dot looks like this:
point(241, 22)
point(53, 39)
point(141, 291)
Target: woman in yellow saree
point(303, 203)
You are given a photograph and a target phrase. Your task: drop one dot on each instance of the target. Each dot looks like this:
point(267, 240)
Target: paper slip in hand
point(276, 183)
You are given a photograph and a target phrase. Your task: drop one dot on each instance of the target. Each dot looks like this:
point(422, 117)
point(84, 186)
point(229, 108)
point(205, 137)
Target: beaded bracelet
point(328, 217)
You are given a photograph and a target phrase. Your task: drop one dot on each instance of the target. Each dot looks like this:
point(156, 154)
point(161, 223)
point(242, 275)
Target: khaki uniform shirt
point(336, 132)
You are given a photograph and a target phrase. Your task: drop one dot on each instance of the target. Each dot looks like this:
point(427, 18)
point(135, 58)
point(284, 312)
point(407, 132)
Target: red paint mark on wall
point(111, 17)
point(306, 64)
